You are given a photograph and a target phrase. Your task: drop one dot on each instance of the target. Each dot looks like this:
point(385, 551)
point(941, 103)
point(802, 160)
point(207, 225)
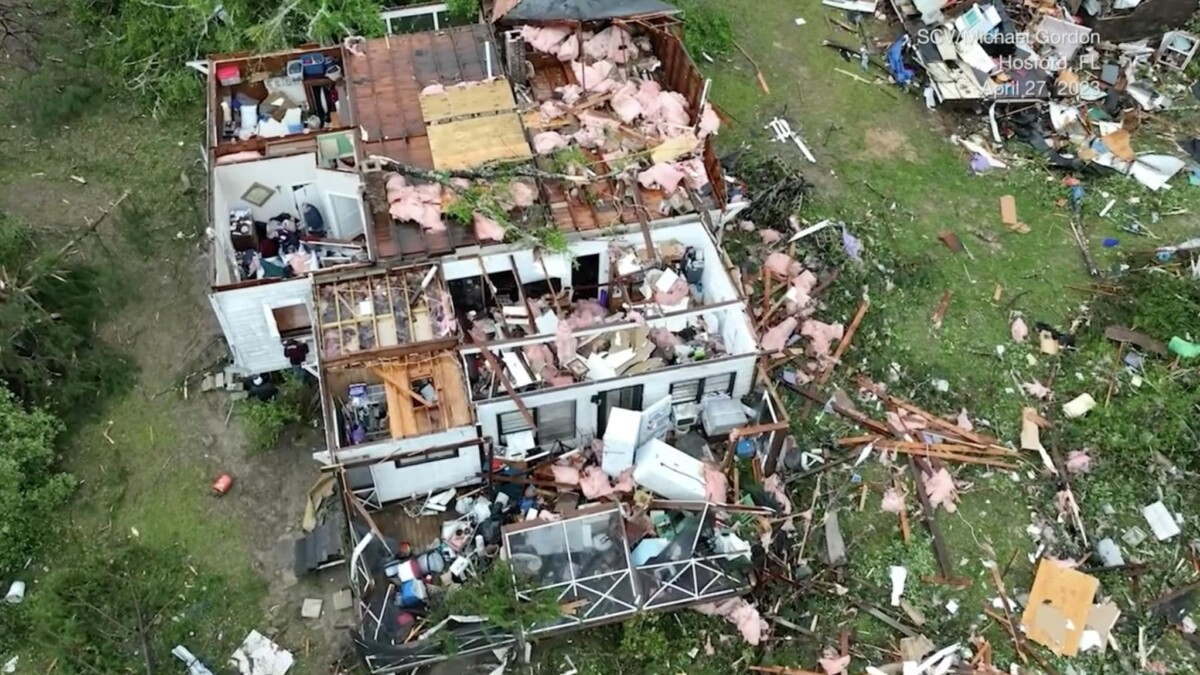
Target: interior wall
point(657, 385)
point(249, 325)
point(282, 174)
point(394, 481)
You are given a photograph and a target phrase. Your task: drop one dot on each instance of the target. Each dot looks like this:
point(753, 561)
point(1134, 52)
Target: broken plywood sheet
point(470, 143)
point(1060, 603)
point(258, 655)
point(476, 98)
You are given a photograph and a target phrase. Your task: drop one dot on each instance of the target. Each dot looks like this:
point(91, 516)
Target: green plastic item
point(1188, 350)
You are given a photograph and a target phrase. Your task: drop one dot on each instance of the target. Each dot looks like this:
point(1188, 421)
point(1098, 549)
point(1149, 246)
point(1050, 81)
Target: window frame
point(517, 424)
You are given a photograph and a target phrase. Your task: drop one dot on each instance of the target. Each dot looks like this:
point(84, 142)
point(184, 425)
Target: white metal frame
point(416, 10)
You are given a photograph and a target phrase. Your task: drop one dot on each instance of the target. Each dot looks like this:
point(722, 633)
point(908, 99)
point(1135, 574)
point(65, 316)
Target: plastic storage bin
point(229, 75)
point(313, 65)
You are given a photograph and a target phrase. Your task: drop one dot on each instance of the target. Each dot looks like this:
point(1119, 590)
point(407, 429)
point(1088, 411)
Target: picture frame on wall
point(258, 194)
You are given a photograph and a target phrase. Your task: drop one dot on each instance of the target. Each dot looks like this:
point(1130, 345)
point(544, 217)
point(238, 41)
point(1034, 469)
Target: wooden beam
point(512, 263)
point(488, 356)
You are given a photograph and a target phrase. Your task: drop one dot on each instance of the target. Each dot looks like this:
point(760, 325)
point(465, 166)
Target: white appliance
point(669, 472)
point(620, 440)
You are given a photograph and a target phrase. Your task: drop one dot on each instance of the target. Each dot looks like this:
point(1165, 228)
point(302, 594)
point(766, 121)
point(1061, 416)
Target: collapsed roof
point(533, 11)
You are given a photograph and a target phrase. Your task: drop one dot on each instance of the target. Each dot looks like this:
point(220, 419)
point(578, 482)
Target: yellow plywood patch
point(475, 99)
point(1058, 608)
point(473, 142)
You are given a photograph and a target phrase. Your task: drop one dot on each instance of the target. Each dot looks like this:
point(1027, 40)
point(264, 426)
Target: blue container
point(313, 65)
point(745, 448)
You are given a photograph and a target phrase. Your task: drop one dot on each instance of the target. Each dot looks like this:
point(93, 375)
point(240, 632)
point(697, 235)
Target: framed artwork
point(258, 194)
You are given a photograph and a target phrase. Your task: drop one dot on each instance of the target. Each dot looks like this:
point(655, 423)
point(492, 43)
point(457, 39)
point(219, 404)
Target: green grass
point(904, 152)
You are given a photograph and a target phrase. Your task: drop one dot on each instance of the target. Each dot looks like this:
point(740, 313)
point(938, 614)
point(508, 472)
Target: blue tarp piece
point(895, 56)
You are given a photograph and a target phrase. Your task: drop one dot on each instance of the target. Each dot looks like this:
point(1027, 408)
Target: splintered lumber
point(999, 584)
point(485, 349)
point(965, 459)
point(844, 343)
point(779, 670)
point(941, 553)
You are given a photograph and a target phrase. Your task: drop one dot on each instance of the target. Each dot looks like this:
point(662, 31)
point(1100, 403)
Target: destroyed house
point(501, 252)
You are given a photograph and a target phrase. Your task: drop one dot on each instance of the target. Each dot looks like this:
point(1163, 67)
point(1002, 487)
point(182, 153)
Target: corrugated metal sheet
point(245, 318)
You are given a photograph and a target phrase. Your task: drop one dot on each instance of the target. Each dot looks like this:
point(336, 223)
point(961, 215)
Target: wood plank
point(481, 98)
point(469, 143)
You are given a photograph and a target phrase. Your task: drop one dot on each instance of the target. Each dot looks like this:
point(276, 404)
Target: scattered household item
point(668, 472)
point(16, 593)
point(311, 608)
point(258, 655)
point(221, 486)
point(190, 661)
point(783, 132)
point(1161, 520)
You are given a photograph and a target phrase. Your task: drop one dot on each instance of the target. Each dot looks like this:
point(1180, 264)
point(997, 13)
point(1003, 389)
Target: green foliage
point(48, 319)
point(463, 10)
point(568, 160)
point(31, 489)
point(493, 594)
point(707, 28)
point(145, 45)
point(120, 608)
point(265, 421)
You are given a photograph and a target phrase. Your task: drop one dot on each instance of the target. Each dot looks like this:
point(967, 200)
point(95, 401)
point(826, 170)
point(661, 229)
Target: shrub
point(48, 315)
point(707, 28)
point(264, 422)
point(463, 10)
point(31, 489)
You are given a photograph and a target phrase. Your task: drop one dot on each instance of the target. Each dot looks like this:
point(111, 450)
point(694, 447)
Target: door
point(629, 398)
point(301, 195)
point(347, 216)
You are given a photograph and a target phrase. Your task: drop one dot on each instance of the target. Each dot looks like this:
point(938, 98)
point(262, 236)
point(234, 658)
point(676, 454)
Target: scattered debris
point(1079, 406)
point(1161, 521)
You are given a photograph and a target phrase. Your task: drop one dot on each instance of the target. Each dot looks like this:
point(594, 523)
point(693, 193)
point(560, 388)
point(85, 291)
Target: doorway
point(629, 398)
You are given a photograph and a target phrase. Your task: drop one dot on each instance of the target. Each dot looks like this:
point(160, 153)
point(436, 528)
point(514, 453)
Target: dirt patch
point(887, 144)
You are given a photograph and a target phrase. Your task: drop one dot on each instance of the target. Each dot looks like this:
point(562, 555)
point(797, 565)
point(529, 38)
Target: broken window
point(555, 422)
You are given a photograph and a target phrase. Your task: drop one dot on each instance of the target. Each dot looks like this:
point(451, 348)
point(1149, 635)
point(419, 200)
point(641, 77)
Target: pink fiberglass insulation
point(549, 141)
point(674, 295)
point(568, 50)
point(544, 40)
point(769, 236)
point(664, 338)
point(433, 90)
point(821, 336)
point(625, 104)
point(661, 175)
point(595, 77)
point(776, 339)
point(565, 475)
point(487, 229)
point(523, 194)
point(904, 422)
point(774, 487)
point(669, 110)
point(411, 208)
point(647, 97)
point(570, 93)
point(740, 613)
point(586, 313)
point(613, 43)
point(429, 193)
point(624, 481)
point(564, 342)
point(803, 283)
point(709, 122)
point(591, 139)
point(552, 110)
point(694, 173)
point(716, 485)
point(395, 182)
point(553, 378)
point(782, 265)
point(594, 483)
point(539, 356)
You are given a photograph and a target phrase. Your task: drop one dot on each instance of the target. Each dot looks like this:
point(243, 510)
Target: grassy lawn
point(887, 167)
